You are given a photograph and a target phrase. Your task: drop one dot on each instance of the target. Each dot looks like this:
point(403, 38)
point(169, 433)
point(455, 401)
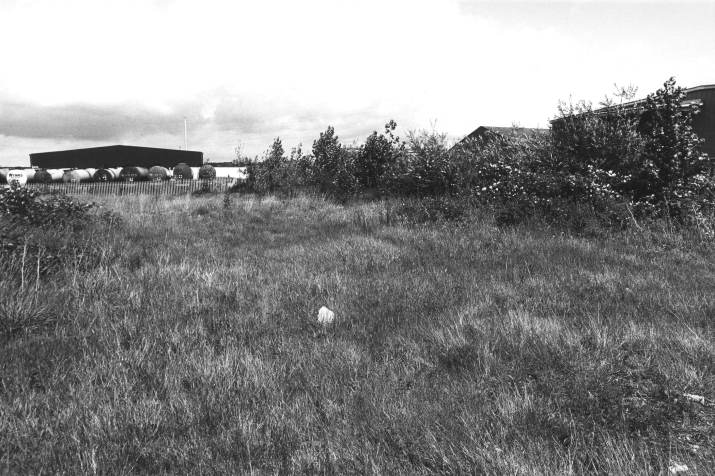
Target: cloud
point(217, 122)
point(82, 121)
point(129, 71)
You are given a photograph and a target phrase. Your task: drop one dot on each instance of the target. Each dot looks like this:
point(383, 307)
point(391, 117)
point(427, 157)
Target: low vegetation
point(626, 162)
point(530, 304)
point(180, 335)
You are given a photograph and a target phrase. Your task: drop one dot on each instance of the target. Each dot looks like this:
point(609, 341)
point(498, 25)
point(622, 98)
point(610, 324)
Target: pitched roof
point(635, 104)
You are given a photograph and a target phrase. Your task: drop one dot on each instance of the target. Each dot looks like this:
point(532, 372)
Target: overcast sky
point(82, 73)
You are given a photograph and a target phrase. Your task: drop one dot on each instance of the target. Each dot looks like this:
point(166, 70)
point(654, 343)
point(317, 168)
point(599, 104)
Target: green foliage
point(377, 157)
point(193, 347)
point(25, 204)
point(333, 170)
point(47, 233)
point(672, 167)
point(301, 173)
point(624, 161)
point(428, 166)
point(20, 313)
point(647, 152)
point(439, 209)
point(607, 139)
point(270, 173)
point(278, 174)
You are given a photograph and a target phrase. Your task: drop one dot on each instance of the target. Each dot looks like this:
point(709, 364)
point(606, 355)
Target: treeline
point(621, 163)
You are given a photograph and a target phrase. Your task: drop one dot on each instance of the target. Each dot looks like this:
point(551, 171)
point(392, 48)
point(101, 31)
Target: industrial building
point(703, 122)
point(115, 156)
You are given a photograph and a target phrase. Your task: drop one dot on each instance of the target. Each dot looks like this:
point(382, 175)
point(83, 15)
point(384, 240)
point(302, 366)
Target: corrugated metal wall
point(704, 122)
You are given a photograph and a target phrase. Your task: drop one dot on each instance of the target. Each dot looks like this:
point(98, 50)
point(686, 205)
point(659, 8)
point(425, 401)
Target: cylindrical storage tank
point(3, 175)
point(159, 173)
point(78, 175)
point(134, 174)
point(107, 175)
point(49, 175)
point(207, 172)
point(183, 171)
point(21, 176)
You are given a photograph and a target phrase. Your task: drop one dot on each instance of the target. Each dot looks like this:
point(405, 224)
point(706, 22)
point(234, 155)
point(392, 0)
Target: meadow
point(180, 335)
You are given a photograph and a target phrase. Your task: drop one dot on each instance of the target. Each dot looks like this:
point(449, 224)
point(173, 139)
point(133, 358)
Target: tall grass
point(190, 344)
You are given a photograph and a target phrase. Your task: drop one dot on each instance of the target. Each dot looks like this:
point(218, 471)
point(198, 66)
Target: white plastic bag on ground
point(695, 398)
point(325, 315)
point(677, 468)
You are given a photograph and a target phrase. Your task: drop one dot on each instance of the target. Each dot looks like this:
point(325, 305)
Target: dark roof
point(116, 147)
point(116, 156)
point(487, 132)
point(506, 131)
point(638, 103)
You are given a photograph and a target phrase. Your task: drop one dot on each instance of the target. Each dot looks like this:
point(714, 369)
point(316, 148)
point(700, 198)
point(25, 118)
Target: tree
point(301, 167)
point(427, 168)
point(333, 166)
point(671, 155)
point(376, 156)
point(606, 139)
point(269, 174)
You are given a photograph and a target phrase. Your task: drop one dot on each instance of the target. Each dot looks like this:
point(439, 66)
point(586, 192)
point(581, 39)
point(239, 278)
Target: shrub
point(277, 173)
point(428, 165)
point(333, 171)
point(646, 152)
point(301, 168)
point(377, 156)
point(672, 169)
point(49, 232)
point(269, 174)
point(606, 139)
point(24, 204)
point(642, 158)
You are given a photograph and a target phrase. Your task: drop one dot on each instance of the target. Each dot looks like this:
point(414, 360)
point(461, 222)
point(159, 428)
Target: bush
point(48, 232)
point(607, 139)
point(333, 171)
point(425, 170)
point(377, 157)
point(624, 161)
point(277, 173)
point(672, 170)
point(270, 173)
point(25, 204)
point(645, 152)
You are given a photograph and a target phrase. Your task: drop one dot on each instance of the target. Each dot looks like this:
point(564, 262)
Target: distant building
point(115, 156)
point(703, 122)
point(490, 133)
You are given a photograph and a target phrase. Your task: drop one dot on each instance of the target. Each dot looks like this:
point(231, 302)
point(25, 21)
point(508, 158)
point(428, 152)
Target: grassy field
point(183, 338)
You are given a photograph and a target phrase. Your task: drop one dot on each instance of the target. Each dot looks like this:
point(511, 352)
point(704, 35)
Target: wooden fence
point(166, 187)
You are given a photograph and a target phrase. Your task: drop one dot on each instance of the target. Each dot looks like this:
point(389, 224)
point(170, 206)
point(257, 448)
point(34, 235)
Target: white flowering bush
point(647, 153)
